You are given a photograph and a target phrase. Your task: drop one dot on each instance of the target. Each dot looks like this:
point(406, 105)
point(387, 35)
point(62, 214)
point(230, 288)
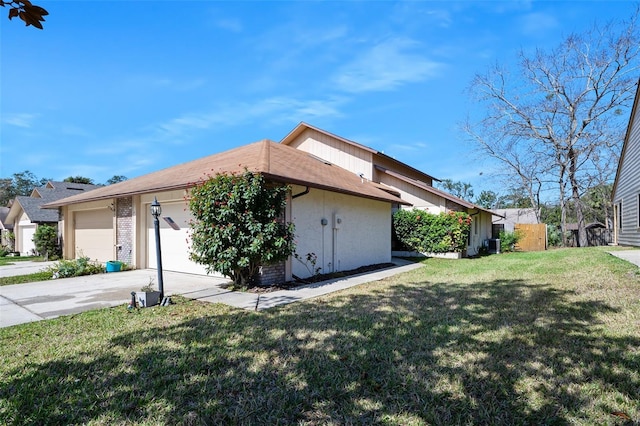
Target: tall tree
point(487, 199)
point(116, 179)
point(559, 118)
point(79, 179)
point(458, 189)
point(19, 184)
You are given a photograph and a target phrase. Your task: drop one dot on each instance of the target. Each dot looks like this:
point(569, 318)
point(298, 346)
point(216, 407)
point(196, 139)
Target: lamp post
point(156, 211)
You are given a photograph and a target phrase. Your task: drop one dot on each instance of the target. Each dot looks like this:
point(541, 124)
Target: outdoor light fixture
point(156, 211)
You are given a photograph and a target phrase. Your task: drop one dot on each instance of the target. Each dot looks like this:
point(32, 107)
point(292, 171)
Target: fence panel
point(535, 236)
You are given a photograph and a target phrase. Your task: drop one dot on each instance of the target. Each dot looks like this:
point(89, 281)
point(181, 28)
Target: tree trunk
point(575, 196)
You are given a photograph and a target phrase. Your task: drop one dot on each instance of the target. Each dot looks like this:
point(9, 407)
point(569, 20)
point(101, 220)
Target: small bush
point(4, 251)
point(75, 268)
point(554, 236)
point(46, 241)
point(508, 240)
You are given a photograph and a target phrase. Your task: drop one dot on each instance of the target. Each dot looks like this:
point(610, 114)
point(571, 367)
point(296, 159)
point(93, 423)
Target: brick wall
point(124, 227)
point(271, 274)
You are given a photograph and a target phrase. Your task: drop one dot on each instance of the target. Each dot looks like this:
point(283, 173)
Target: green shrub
point(508, 240)
point(46, 241)
point(75, 268)
point(238, 225)
point(431, 233)
point(554, 236)
point(4, 251)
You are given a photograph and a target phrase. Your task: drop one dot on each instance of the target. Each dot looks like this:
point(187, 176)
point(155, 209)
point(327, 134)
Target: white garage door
point(174, 242)
point(27, 246)
point(94, 236)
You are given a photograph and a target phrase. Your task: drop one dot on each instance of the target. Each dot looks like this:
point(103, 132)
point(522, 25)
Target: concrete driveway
point(36, 301)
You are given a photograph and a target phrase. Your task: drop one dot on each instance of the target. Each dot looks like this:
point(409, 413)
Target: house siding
point(335, 151)
point(628, 188)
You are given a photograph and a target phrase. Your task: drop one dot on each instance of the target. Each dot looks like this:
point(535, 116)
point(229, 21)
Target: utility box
point(337, 221)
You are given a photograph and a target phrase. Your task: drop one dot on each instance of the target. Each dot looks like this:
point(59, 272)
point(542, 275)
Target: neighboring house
point(25, 214)
point(506, 219)
point(411, 185)
point(344, 219)
point(626, 187)
point(5, 230)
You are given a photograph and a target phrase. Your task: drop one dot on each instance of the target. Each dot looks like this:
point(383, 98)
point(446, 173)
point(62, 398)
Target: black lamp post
point(156, 211)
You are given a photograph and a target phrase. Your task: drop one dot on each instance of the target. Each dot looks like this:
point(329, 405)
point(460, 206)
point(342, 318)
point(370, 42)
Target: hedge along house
point(409, 184)
point(341, 218)
point(626, 187)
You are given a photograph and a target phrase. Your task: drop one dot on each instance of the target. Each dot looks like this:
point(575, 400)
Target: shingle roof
point(276, 162)
point(51, 192)
point(54, 190)
point(31, 206)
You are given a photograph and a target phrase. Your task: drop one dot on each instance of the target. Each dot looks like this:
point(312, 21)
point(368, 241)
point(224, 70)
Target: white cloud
point(275, 109)
point(386, 66)
point(20, 120)
point(537, 23)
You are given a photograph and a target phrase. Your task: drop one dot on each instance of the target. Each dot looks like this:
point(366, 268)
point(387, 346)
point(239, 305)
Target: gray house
point(626, 188)
point(25, 214)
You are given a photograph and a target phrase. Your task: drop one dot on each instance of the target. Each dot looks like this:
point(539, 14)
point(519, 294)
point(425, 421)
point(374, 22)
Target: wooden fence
point(535, 236)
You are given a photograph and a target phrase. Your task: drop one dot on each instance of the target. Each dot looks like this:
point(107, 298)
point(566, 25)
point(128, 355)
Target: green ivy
point(431, 233)
point(237, 225)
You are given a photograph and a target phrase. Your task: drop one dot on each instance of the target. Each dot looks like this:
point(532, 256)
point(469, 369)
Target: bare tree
point(559, 119)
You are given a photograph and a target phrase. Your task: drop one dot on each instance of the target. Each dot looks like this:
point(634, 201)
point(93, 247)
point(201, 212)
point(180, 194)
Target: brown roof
point(276, 162)
point(435, 191)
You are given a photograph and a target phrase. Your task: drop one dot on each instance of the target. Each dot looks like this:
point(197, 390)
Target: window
point(620, 215)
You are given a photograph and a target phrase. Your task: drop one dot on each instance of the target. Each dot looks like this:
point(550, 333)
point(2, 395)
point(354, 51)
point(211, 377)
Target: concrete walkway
point(258, 302)
point(632, 256)
point(37, 301)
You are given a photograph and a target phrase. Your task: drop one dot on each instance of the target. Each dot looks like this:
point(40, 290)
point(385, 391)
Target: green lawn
point(9, 260)
point(519, 338)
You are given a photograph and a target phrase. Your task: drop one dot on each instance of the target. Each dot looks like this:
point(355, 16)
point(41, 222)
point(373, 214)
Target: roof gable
point(277, 162)
point(52, 191)
point(402, 167)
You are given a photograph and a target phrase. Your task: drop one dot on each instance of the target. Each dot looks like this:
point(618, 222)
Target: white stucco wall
point(363, 237)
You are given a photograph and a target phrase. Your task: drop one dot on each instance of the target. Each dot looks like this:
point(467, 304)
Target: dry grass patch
point(522, 338)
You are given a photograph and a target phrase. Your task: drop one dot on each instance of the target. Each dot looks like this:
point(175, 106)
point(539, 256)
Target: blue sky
point(130, 87)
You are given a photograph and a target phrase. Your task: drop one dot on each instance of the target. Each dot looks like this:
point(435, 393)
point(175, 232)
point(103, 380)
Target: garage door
point(27, 246)
point(174, 242)
point(94, 236)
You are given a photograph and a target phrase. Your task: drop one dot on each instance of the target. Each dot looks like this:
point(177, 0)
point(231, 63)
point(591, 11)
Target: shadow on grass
point(501, 352)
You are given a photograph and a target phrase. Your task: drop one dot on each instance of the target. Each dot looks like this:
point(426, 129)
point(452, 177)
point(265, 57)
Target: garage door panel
point(27, 246)
point(94, 236)
point(175, 241)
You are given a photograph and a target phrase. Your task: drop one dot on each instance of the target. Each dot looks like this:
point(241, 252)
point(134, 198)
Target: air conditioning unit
point(492, 245)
